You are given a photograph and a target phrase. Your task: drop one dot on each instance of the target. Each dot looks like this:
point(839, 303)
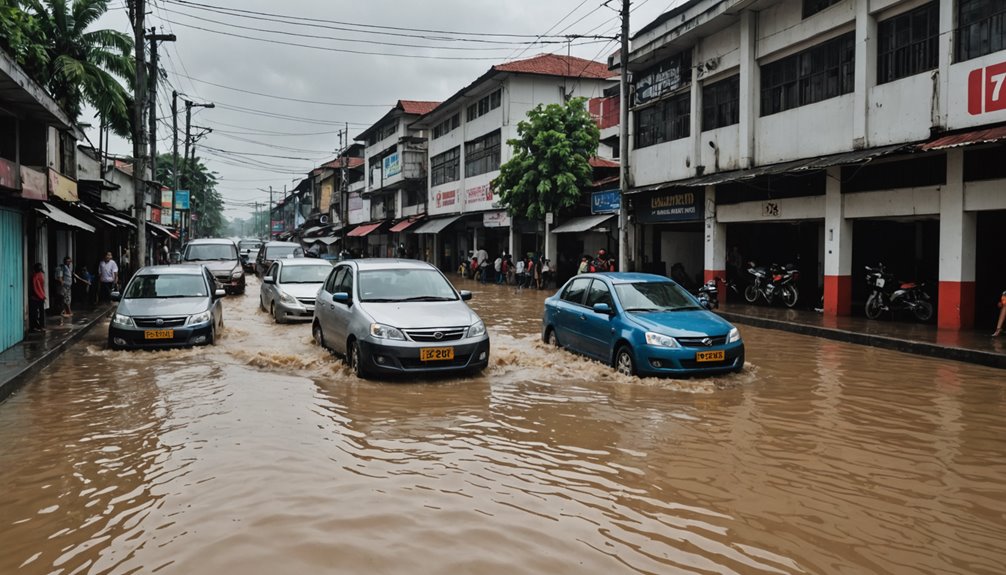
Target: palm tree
point(81, 65)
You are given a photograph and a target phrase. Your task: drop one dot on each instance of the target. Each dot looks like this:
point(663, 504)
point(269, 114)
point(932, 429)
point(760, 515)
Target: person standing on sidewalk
point(108, 275)
point(1002, 315)
point(65, 278)
point(36, 300)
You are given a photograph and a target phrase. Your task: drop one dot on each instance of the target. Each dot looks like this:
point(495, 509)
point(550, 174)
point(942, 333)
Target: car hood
point(412, 315)
point(691, 323)
point(301, 290)
point(219, 267)
point(163, 306)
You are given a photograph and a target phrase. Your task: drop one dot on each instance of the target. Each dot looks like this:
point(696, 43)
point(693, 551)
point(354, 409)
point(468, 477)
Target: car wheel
point(354, 360)
point(111, 345)
point(212, 339)
point(552, 338)
point(319, 337)
point(625, 364)
point(272, 311)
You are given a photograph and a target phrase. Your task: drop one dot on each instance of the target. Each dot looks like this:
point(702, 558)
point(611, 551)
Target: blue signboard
point(392, 167)
point(181, 199)
point(670, 206)
point(606, 202)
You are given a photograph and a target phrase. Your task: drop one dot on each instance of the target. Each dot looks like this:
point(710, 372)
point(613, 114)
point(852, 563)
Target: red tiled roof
point(556, 65)
point(352, 162)
point(417, 107)
point(596, 162)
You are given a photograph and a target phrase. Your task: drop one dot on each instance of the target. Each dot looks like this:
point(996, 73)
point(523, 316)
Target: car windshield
point(166, 286)
point(209, 252)
point(654, 296)
point(304, 274)
point(277, 252)
point(404, 285)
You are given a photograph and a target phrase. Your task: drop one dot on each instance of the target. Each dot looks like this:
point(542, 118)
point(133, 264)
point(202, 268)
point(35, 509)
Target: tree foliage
point(205, 201)
point(551, 160)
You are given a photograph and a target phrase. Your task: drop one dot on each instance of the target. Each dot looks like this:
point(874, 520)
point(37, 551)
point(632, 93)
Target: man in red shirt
point(36, 300)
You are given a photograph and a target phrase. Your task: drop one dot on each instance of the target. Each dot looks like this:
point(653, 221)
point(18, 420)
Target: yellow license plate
point(436, 354)
point(719, 355)
point(158, 334)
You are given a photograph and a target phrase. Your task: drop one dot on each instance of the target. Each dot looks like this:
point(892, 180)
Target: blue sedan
point(642, 324)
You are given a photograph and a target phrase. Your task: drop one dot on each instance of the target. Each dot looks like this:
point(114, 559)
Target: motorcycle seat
point(909, 285)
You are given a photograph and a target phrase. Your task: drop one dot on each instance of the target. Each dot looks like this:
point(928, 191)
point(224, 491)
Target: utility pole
point(154, 38)
point(137, 13)
point(270, 212)
point(623, 145)
point(174, 153)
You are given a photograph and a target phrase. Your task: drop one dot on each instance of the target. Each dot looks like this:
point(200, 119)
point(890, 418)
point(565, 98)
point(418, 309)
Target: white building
point(835, 133)
point(468, 134)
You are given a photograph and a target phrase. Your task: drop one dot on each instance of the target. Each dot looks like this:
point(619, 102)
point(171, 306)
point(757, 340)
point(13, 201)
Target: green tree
point(205, 202)
point(551, 160)
point(20, 34)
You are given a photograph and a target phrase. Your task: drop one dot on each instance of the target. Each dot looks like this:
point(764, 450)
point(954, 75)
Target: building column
point(749, 88)
point(715, 252)
point(865, 73)
point(837, 248)
point(957, 250)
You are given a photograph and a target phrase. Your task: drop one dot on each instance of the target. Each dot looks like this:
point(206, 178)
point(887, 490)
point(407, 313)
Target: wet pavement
point(263, 454)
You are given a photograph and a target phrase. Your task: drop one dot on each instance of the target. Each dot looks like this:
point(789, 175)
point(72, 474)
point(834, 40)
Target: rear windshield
point(304, 274)
point(166, 286)
point(249, 244)
point(277, 252)
point(210, 252)
point(404, 285)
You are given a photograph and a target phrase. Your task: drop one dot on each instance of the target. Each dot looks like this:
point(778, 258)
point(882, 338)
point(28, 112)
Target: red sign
point(155, 215)
point(8, 174)
point(987, 89)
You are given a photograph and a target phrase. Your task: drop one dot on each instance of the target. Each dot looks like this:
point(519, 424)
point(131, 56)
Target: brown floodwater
point(264, 455)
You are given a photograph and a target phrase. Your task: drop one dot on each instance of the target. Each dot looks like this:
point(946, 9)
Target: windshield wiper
point(643, 309)
point(380, 300)
point(685, 308)
point(427, 298)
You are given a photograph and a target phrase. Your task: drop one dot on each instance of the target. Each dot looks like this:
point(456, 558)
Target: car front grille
point(306, 300)
point(700, 341)
point(165, 321)
point(430, 335)
point(415, 363)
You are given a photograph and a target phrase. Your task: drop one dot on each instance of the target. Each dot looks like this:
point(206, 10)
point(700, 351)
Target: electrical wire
point(321, 103)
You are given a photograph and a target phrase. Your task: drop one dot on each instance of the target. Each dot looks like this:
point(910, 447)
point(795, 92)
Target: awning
point(117, 219)
point(404, 224)
point(362, 230)
point(163, 230)
point(985, 136)
point(582, 224)
point(52, 212)
point(329, 240)
point(437, 225)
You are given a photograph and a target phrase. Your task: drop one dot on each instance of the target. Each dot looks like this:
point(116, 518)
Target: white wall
point(893, 203)
point(663, 162)
point(786, 209)
point(900, 111)
point(813, 130)
point(984, 195)
point(726, 155)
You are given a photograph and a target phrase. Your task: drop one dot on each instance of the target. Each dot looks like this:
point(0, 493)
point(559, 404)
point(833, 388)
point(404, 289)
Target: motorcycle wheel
point(873, 307)
point(789, 295)
point(751, 293)
point(923, 310)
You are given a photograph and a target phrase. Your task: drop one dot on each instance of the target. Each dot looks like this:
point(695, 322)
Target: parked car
point(248, 251)
point(220, 256)
point(390, 316)
point(167, 306)
point(641, 324)
point(272, 251)
point(290, 286)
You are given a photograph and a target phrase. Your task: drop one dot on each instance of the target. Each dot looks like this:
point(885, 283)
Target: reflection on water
point(264, 454)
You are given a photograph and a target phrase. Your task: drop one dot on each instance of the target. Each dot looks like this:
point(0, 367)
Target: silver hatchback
point(388, 316)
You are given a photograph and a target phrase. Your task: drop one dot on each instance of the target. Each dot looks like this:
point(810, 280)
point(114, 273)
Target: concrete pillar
point(749, 87)
point(695, 119)
point(865, 74)
point(715, 252)
point(940, 108)
point(957, 250)
point(837, 248)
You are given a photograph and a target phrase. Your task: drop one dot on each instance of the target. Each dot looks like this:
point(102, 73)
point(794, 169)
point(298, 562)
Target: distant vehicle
point(167, 306)
point(221, 257)
point(248, 250)
point(272, 251)
point(290, 286)
point(641, 324)
point(389, 316)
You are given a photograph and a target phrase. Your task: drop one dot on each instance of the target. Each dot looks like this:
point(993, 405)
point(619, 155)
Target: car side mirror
point(465, 295)
point(218, 293)
point(602, 308)
point(116, 296)
point(268, 280)
point(341, 297)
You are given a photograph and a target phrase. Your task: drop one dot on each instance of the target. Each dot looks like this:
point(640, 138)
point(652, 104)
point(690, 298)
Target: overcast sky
point(354, 60)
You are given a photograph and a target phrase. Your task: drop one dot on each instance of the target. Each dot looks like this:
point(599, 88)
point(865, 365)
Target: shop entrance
point(990, 271)
point(796, 243)
point(910, 249)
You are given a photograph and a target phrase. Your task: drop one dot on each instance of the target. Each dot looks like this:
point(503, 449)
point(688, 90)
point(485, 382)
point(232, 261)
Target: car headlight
point(382, 331)
point(734, 335)
point(236, 274)
point(661, 340)
point(477, 329)
point(287, 298)
point(199, 318)
point(123, 320)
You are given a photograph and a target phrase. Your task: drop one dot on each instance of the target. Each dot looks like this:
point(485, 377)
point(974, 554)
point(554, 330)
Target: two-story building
point(468, 134)
point(832, 134)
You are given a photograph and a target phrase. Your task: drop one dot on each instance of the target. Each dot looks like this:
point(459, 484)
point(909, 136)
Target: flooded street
point(264, 455)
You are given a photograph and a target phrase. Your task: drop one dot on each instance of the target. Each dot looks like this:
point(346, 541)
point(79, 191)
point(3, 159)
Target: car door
point(269, 291)
point(569, 312)
point(216, 304)
point(324, 306)
point(342, 312)
point(597, 329)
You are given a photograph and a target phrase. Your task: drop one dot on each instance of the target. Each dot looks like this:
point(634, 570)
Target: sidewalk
point(37, 350)
point(922, 339)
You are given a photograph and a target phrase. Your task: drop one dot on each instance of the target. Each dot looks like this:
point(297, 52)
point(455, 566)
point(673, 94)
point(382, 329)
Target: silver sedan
point(290, 286)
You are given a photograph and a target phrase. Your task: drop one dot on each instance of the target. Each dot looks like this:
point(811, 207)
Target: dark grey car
point(391, 316)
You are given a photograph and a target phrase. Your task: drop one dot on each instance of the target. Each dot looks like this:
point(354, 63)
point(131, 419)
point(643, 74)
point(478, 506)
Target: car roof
point(276, 243)
point(303, 262)
point(211, 241)
point(390, 264)
point(176, 269)
point(627, 277)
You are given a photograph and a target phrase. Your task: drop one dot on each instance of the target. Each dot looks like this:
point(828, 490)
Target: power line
point(284, 97)
point(540, 36)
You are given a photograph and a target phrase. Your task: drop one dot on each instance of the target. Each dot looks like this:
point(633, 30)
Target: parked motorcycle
point(771, 283)
point(888, 294)
point(709, 294)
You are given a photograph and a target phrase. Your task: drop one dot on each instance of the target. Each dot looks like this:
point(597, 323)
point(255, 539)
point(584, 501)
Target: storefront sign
point(62, 187)
point(663, 78)
point(446, 198)
point(483, 193)
point(33, 184)
point(606, 202)
point(987, 89)
point(8, 174)
point(670, 207)
point(167, 199)
point(155, 214)
point(496, 220)
point(181, 199)
point(327, 188)
point(392, 165)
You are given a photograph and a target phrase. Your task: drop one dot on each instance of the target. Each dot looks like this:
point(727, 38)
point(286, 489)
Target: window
point(908, 44)
point(447, 126)
point(575, 290)
point(598, 293)
point(811, 7)
point(721, 103)
point(665, 121)
point(482, 155)
point(345, 282)
point(484, 105)
point(818, 73)
point(981, 28)
point(445, 167)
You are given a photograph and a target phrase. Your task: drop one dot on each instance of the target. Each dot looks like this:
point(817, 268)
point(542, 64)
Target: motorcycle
point(772, 282)
point(888, 294)
point(708, 294)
